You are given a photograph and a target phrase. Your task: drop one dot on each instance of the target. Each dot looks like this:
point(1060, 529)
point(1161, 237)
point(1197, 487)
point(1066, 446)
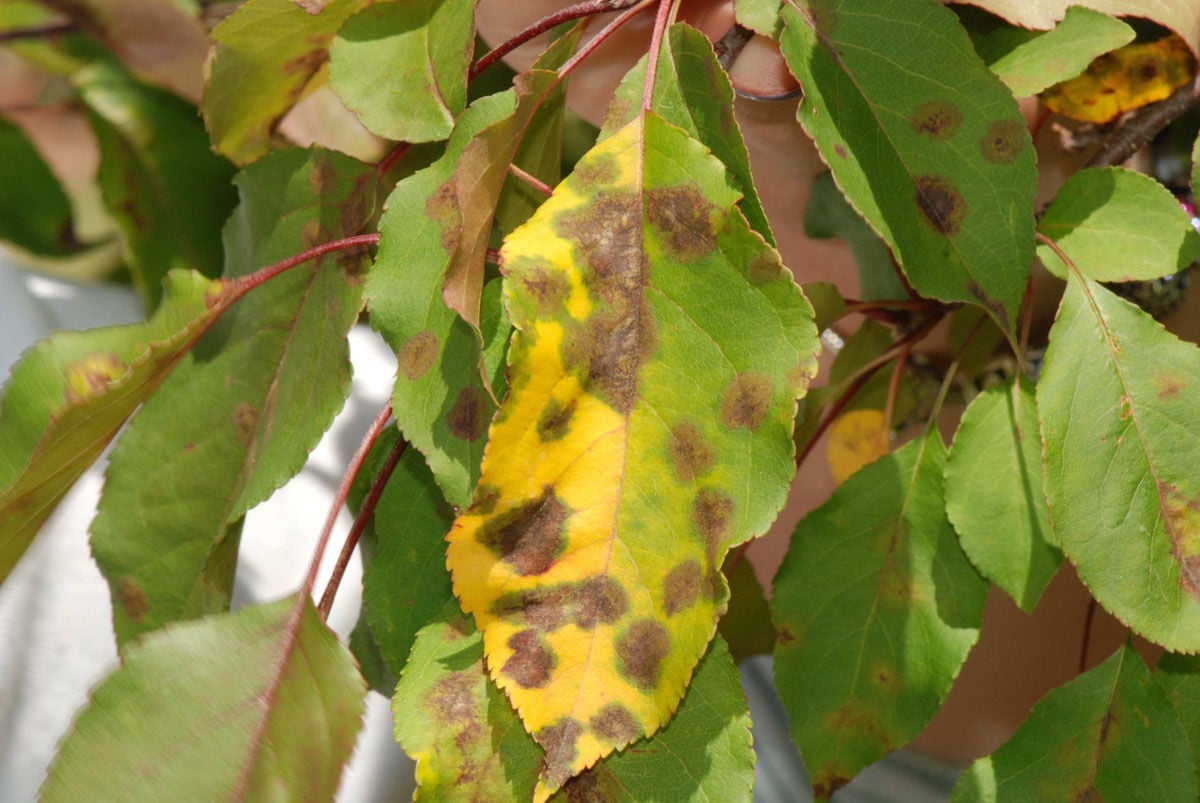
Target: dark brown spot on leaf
point(599, 600)
point(585, 788)
point(467, 419)
point(765, 267)
point(691, 457)
point(598, 170)
point(940, 204)
point(615, 724)
point(683, 214)
point(1168, 386)
point(1002, 142)
point(442, 208)
point(746, 400)
point(681, 587)
point(245, 421)
point(529, 536)
point(840, 151)
point(647, 333)
point(548, 287)
point(555, 420)
point(939, 119)
point(452, 700)
point(640, 653)
point(417, 354)
point(132, 599)
point(712, 514)
point(587, 603)
point(604, 353)
point(1182, 518)
point(531, 662)
point(305, 64)
point(559, 741)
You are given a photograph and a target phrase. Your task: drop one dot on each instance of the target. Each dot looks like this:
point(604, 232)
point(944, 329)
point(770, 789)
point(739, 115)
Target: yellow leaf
point(856, 437)
point(659, 351)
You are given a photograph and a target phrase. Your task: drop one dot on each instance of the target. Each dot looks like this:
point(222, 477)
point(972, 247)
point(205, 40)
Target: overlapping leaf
point(1179, 676)
point(268, 55)
point(1121, 431)
point(262, 704)
point(876, 607)
point(827, 215)
point(659, 351)
point(761, 16)
point(994, 492)
point(944, 171)
point(161, 181)
point(35, 213)
point(239, 415)
point(1109, 734)
point(746, 625)
point(1117, 225)
point(402, 66)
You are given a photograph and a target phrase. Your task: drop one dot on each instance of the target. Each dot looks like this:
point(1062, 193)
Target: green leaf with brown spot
point(70, 394)
point(239, 415)
point(876, 608)
point(994, 492)
point(35, 213)
point(1109, 734)
point(659, 352)
point(1117, 225)
point(1121, 431)
point(943, 170)
point(262, 704)
point(161, 181)
point(693, 92)
point(268, 54)
point(401, 66)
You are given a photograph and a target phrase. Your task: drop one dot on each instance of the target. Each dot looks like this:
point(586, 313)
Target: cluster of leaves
point(598, 423)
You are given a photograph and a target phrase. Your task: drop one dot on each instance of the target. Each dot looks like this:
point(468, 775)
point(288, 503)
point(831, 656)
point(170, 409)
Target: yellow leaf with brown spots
point(856, 437)
point(659, 351)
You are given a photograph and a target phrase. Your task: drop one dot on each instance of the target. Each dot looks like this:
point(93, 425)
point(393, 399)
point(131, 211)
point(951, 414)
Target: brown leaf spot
point(840, 150)
point(132, 599)
point(542, 608)
point(305, 63)
point(938, 119)
point(640, 653)
point(684, 215)
point(825, 789)
point(442, 208)
point(785, 636)
point(559, 741)
point(91, 375)
point(885, 678)
point(712, 514)
point(765, 267)
point(988, 302)
point(800, 377)
point(323, 178)
point(599, 170)
point(417, 355)
point(467, 419)
point(548, 287)
point(647, 333)
point(604, 353)
point(529, 536)
point(1002, 142)
point(588, 603)
point(313, 233)
point(615, 724)
point(555, 420)
point(1168, 386)
point(691, 457)
point(451, 700)
point(1182, 519)
point(245, 422)
point(531, 662)
point(585, 788)
point(485, 499)
point(940, 204)
point(746, 400)
point(599, 599)
point(681, 587)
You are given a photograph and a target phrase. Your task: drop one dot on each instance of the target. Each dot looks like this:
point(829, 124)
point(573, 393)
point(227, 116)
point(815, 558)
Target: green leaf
point(943, 170)
point(240, 414)
point(693, 92)
point(827, 302)
point(828, 214)
point(1121, 431)
point(374, 668)
point(402, 66)
point(1109, 734)
point(163, 185)
point(262, 704)
point(406, 583)
point(35, 213)
point(994, 492)
point(760, 16)
point(746, 625)
point(70, 394)
point(1117, 225)
point(876, 608)
point(1179, 675)
point(1030, 61)
point(268, 54)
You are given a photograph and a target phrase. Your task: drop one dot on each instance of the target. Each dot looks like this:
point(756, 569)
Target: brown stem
point(598, 39)
point(1088, 618)
point(38, 31)
point(531, 180)
point(240, 286)
point(889, 406)
point(915, 304)
point(1143, 126)
point(392, 157)
point(368, 506)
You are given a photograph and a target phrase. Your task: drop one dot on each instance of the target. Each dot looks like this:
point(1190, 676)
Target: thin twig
point(42, 31)
point(531, 180)
point(1143, 126)
point(240, 286)
point(599, 38)
point(392, 157)
point(1088, 618)
point(889, 406)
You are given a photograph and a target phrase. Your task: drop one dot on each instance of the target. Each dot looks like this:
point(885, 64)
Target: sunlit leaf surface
point(659, 351)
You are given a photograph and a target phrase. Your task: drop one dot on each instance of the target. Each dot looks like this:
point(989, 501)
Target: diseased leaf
point(693, 92)
point(1117, 225)
point(241, 412)
point(70, 394)
point(401, 66)
point(856, 438)
point(262, 704)
point(268, 54)
point(35, 213)
point(746, 627)
point(1179, 676)
point(876, 608)
point(1109, 734)
point(828, 214)
point(659, 351)
point(161, 181)
point(1121, 438)
point(1029, 61)
point(994, 492)
point(943, 170)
